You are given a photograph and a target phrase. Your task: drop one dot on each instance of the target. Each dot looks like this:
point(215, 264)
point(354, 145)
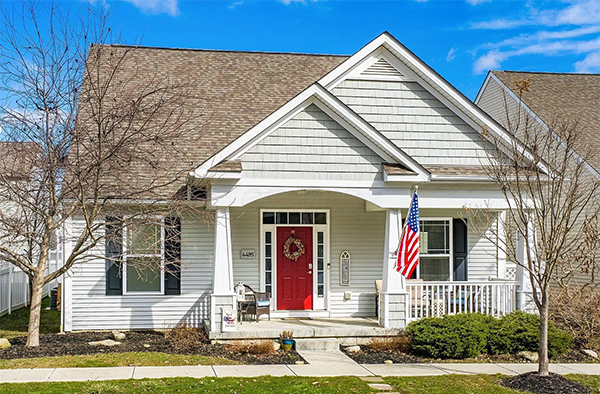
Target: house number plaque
point(248, 254)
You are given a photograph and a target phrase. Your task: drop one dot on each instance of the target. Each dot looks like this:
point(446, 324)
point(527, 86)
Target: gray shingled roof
point(568, 97)
point(235, 89)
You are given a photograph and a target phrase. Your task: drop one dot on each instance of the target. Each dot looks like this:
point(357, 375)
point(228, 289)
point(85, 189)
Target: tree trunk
point(35, 310)
point(543, 349)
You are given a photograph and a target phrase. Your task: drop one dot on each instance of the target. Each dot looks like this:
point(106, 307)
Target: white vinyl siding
point(93, 310)
point(482, 253)
point(311, 146)
point(415, 121)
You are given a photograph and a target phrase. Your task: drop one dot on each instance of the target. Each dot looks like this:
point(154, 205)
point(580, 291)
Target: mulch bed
point(368, 355)
point(552, 384)
point(371, 356)
point(77, 344)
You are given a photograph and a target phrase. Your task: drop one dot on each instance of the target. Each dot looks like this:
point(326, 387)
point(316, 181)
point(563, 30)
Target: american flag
point(408, 251)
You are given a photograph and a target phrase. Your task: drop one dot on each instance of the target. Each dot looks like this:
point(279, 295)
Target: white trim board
point(334, 108)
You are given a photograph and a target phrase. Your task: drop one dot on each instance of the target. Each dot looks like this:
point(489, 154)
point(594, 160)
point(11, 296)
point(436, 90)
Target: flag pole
point(416, 188)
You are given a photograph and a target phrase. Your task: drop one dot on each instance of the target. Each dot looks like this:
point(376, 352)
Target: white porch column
point(393, 299)
point(223, 294)
point(501, 247)
point(525, 296)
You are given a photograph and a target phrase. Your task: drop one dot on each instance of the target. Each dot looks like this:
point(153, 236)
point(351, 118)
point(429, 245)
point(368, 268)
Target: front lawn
point(262, 385)
point(468, 384)
point(130, 359)
point(15, 324)
point(448, 384)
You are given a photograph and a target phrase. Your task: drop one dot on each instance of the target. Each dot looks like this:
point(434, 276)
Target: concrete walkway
point(317, 369)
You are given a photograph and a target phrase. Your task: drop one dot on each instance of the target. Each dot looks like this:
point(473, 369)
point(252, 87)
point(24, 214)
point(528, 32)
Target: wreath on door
point(287, 248)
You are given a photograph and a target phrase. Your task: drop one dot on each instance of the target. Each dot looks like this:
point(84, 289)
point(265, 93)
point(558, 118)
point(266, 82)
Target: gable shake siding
point(312, 146)
point(93, 310)
point(415, 121)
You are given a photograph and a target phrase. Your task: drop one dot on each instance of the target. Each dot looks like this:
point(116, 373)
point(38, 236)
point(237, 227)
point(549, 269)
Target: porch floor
point(308, 328)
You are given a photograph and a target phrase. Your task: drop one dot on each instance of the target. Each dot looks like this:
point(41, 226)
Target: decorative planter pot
point(287, 344)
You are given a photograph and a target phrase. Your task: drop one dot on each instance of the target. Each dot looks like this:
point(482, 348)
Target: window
point(294, 218)
point(143, 258)
point(435, 250)
point(269, 261)
point(320, 264)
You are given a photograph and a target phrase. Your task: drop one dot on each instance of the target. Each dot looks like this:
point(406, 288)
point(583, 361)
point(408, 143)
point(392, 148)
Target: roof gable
point(414, 69)
point(312, 145)
point(316, 95)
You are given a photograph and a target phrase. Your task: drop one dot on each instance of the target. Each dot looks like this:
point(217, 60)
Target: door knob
point(309, 272)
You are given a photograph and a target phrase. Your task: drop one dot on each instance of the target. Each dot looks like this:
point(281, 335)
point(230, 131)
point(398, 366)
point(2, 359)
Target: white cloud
point(580, 13)
point(235, 4)
point(490, 61)
point(500, 24)
point(170, 7)
point(572, 29)
point(451, 55)
point(288, 2)
point(477, 2)
point(590, 64)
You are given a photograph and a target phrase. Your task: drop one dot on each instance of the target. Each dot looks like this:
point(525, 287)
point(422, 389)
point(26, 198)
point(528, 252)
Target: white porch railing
point(434, 299)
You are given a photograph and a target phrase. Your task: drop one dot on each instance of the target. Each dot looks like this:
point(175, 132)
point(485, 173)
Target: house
point(551, 99)
point(308, 163)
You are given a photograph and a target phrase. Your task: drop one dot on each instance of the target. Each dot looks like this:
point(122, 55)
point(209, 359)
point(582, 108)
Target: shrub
point(577, 311)
point(453, 336)
point(519, 331)
point(399, 343)
point(185, 338)
point(251, 347)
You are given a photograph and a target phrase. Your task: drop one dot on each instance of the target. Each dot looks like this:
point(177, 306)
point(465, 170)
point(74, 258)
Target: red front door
point(294, 278)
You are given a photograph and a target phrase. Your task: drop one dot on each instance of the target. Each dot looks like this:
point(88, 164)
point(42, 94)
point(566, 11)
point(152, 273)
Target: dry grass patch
point(256, 348)
point(184, 338)
point(399, 343)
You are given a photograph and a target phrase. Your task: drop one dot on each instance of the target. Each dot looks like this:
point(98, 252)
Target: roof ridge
point(221, 50)
point(546, 72)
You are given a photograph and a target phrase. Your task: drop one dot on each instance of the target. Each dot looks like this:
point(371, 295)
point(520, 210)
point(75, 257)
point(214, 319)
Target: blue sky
point(460, 39)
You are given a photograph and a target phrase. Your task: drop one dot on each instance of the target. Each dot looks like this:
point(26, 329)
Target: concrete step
point(317, 344)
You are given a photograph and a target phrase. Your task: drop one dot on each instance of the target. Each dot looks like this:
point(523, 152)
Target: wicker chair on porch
point(257, 304)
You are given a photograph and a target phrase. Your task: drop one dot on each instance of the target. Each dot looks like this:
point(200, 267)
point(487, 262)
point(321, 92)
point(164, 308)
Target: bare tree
point(87, 132)
point(553, 206)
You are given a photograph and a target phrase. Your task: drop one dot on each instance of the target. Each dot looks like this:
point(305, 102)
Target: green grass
point(447, 384)
point(131, 359)
point(468, 384)
point(280, 385)
point(15, 324)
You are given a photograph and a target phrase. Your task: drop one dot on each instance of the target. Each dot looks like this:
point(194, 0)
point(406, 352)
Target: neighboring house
point(551, 99)
point(326, 149)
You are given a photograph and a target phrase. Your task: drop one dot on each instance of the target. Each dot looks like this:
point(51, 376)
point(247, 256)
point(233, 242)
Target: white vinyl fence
point(434, 299)
point(14, 287)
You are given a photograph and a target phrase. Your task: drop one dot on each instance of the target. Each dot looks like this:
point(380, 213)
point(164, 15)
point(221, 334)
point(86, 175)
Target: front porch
point(359, 328)
point(350, 245)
